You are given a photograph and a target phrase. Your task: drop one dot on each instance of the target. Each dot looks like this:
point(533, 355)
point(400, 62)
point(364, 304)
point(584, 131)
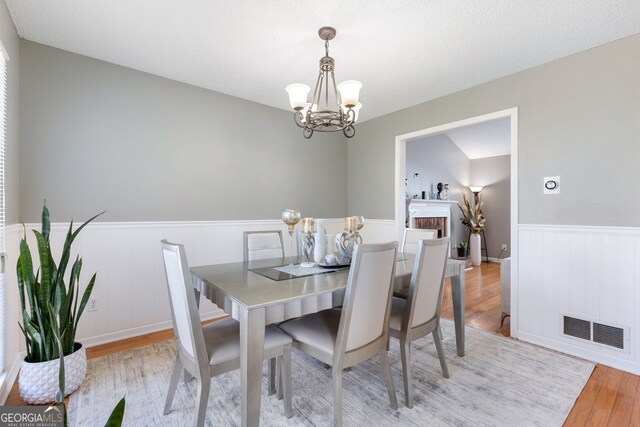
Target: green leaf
point(44, 252)
point(86, 223)
point(21, 285)
point(61, 379)
point(46, 224)
point(25, 271)
point(115, 419)
point(64, 259)
point(36, 337)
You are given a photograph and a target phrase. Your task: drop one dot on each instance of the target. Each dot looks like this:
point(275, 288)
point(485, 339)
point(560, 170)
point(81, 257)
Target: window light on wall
point(4, 58)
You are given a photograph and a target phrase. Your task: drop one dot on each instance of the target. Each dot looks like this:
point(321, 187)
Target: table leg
point(457, 295)
point(251, 358)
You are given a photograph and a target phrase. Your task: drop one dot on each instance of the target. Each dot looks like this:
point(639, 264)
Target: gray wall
point(438, 159)
point(578, 118)
point(494, 173)
point(11, 42)
point(98, 136)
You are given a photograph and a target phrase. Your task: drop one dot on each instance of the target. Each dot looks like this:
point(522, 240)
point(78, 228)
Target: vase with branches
point(472, 217)
point(474, 220)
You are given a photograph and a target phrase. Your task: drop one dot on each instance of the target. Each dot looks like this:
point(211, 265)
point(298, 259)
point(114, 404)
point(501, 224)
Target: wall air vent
point(608, 335)
point(577, 328)
point(595, 333)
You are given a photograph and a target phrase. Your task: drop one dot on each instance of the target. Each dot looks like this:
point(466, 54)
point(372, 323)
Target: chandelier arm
point(349, 131)
point(297, 118)
point(350, 116)
point(335, 89)
point(307, 132)
point(318, 91)
point(326, 89)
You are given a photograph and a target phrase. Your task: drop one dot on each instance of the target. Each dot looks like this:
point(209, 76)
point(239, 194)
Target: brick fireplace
point(431, 214)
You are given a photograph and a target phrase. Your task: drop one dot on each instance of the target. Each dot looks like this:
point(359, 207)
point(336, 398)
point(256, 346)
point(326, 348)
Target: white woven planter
point(39, 381)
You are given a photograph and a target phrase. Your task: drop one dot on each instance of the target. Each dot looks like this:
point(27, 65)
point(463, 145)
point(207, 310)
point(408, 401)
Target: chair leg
point(279, 385)
point(437, 339)
point(337, 397)
point(203, 397)
point(272, 375)
point(386, 368)
point(405, 355)
point(284, 379)
point(173, 384)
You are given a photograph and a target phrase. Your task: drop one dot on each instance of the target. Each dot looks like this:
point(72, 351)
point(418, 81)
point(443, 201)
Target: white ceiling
point(486, 139)
point(404, 52)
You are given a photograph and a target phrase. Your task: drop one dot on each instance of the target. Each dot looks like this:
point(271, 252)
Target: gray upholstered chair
point(259, 245)
point(262, 245)
point(411, 237)
point(213, 349)
point(358, 332)
point(419, 314)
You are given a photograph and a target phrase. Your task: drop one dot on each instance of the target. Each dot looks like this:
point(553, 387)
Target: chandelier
point(307, 114)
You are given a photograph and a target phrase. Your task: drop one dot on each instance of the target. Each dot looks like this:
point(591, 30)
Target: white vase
point(38, 382)
point(475, 249)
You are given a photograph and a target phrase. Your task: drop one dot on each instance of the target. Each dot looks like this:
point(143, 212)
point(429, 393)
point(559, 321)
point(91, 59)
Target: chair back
point(427, 282)
point(184, 310)
point(366, 308)
point(262, 245)
point(412, 236)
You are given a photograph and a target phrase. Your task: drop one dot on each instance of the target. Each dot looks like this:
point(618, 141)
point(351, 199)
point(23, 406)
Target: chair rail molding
point(587, 272)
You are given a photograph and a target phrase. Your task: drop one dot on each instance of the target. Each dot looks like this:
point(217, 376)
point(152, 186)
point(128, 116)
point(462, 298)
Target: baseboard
point(141, 330)
point(593, 356)
point(10, 377)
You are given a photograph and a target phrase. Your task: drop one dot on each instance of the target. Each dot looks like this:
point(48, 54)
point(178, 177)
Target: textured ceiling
point(487, 139)
point(404, 52)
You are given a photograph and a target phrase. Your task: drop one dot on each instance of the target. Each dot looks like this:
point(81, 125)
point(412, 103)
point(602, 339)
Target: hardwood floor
point(610, 397)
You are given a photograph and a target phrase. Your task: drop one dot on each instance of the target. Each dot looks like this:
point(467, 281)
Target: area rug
point(499, 382)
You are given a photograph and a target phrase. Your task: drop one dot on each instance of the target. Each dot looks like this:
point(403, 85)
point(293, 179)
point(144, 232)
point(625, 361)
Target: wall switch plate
point(551, 185)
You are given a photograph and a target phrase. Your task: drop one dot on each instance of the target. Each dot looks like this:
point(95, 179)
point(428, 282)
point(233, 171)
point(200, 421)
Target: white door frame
point(401, 164)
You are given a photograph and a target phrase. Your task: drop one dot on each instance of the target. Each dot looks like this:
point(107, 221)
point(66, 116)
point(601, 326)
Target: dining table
point(258, 293)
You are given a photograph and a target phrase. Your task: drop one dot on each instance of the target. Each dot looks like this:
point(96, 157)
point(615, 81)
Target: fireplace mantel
point(423, 208)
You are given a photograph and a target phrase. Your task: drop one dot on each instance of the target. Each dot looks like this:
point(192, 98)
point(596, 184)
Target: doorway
point(401, 176)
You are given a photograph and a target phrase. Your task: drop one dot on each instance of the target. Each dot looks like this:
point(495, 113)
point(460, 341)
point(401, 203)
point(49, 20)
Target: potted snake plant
point(51, 308)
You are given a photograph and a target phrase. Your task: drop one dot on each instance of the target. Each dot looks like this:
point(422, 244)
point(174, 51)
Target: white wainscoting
point(130, 290)
point(585, 272)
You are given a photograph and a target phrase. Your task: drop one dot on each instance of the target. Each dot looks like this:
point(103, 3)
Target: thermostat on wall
point(551, 185)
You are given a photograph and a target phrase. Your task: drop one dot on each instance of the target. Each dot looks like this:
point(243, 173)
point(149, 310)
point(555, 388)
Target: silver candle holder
point(346, 241)
point(308, 241)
